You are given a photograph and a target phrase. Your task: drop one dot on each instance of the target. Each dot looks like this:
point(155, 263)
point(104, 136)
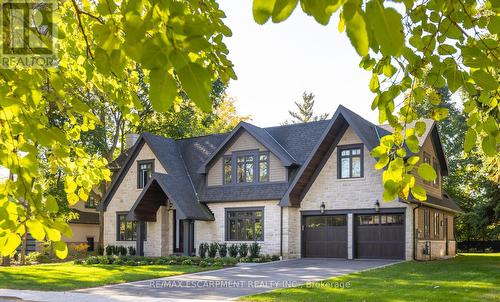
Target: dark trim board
point(354, 211)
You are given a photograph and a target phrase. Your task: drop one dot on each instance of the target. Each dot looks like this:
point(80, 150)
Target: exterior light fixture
point(322, 208)
point(377, 206)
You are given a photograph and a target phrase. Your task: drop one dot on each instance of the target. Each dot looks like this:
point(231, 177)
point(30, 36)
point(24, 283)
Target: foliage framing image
point(406, 45)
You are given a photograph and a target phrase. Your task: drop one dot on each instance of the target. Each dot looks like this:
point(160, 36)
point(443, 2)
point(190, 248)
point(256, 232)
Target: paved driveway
point(238, 281)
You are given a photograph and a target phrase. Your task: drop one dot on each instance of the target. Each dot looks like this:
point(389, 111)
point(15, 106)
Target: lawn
point(67, 276)
point(468, 277)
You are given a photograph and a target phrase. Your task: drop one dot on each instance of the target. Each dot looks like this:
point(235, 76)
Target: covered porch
point(170, 211)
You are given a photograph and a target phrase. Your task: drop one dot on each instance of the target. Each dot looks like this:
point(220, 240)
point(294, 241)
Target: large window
point(246, 167)
point(144, 171)
point(126, 230)
point(427, 160)
point(350, 161)
point(437, 225)
point(90, 203)
point(245, 224)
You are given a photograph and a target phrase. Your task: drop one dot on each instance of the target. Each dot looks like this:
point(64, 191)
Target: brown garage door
point(380, 236)
point(325, 236)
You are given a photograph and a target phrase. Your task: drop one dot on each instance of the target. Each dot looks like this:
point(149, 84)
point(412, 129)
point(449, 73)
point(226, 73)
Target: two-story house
point(300, 190)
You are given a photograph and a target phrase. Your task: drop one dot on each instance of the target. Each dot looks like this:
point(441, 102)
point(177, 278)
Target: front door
point(178, 235)
point(446, 234)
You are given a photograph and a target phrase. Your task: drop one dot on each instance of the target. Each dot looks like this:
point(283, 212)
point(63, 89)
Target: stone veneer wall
point(214, 231)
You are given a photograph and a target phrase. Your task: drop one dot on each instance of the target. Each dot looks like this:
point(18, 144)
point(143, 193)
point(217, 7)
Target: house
point(86, 227)
point(300, 190)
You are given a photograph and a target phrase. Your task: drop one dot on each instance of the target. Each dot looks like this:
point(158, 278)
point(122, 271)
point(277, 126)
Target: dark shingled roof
point(184, 159)
point(85, 217)
point(444, 202)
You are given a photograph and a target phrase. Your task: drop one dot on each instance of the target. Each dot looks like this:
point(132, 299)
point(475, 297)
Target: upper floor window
point(263, 167)
point(427, 160)
point(90, 203)
point(228, 170)
point(245, 168)
point(350, 161)
point(427, 223)
point(435, 165)
point(436, 224)
point(144, 171)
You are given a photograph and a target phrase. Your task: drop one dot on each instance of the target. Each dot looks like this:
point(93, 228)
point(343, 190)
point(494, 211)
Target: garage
point(379, 236)
point(325, 236)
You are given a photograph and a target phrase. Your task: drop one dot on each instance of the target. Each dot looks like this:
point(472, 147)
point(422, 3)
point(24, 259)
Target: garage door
point(325, 236)
point(380, 236)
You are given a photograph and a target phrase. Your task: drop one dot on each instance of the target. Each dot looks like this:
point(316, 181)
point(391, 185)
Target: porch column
point(350, 230)
point(188, 227)
point(139, 242)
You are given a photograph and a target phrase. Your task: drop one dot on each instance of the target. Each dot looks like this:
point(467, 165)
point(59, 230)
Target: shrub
point(254, 250)
point(105, 259)
point(229, 261)
point(233, 250)
point(110, 250)
point(256, 260)
point(244, 259)
point(203, 263)
point(79, 250)
point(38, 257)
point(160, 261)
point(116, 250)
point(100, 250)
point(223, 250)
point(78, 261)
point(131, 263)
point(172, 262)
point(202, 250)
point(119, 261)
point(243, 250)
point(275, 258)
point(196, 259)
point(218, 262)
point(131, 251)
point(187, 262)
point(212, 249)
point(92, 260)
point(122, 250)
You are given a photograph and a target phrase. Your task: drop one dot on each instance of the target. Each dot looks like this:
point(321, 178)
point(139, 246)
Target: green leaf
point(413, 160)
point(494, 24)
point(485, 80)
point(283, 9)
point(196, 83)
point(52, 234)
point(11, 244)
point(454, 78)
point(426, 172)
point(321, 10)
point(470, 139)
point(35, 228)
point(162, 90)
point(412, 143)
point(489, 145)
point(356, 28)
point(379, 151)
point(262, 10)
point(445, 49)
point(439, 114)
point(51, 204)
point(420, 128)
point(490, 125)
point(382, 162)
point(374, 84)
point(61, 249)
point(387, 26)
point(419, 193)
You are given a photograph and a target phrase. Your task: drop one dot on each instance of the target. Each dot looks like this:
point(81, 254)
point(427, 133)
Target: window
point(350, 162)
point(126, 230)
point(245, 168)
point(427, 160)
point(427, 223)
point(263, 167)
point(90, 203)
point(228, 170)
point(245, 224)
point(435, 165)
point(436, 225)
point(144, 172)
point(369, 219)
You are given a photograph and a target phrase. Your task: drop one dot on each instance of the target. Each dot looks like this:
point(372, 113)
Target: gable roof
point(261, 135)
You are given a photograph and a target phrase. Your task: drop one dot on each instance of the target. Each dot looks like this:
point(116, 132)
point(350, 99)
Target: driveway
point(224, 284)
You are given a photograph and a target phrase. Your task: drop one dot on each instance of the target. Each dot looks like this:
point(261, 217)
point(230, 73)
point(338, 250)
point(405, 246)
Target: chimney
point(130, 140)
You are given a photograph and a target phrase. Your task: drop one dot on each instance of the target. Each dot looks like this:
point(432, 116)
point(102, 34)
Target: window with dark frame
point(427, 224)
point(144, 172)
point(350, 162)
point(427, 160)
point(436, 225)
point(244, 225)
point(435, 165)
point(90, 203)
point(127, 230)
point(245, 168)
point(228, 170)
point(264, 167)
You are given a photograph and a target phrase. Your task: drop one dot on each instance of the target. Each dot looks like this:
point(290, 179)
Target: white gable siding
point(246, 142)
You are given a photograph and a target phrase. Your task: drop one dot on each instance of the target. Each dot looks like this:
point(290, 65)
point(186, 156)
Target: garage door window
point(369, 219)
point(325, 221)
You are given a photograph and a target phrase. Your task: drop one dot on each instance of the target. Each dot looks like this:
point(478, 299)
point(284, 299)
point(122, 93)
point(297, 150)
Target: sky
point(276, 63)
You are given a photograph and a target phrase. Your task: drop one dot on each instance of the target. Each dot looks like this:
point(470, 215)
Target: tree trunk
point(23, 248)
point(6, 261)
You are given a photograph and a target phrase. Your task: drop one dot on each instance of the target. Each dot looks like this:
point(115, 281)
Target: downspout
point(281, 232)
point(414, 234)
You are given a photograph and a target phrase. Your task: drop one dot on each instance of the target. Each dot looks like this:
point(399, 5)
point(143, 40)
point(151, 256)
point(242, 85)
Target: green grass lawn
point(468, 277)
point(67, 276)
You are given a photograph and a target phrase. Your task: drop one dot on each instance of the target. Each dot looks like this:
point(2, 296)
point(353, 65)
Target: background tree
point(305, 111)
